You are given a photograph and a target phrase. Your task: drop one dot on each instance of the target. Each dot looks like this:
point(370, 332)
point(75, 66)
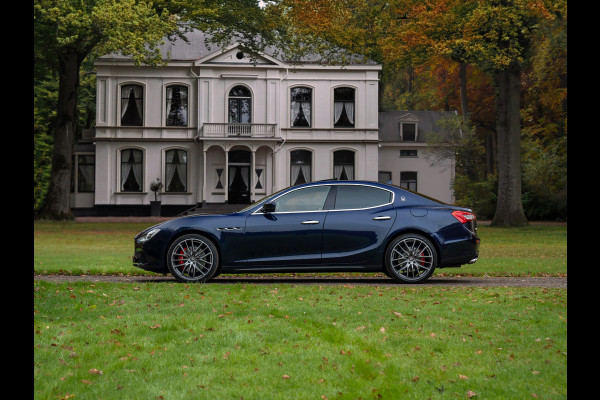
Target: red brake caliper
point(181, 258)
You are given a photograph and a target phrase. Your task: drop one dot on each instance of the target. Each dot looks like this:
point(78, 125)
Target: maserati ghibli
point(325, 226)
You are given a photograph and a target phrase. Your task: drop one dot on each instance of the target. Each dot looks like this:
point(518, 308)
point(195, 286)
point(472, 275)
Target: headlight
point(148, 235)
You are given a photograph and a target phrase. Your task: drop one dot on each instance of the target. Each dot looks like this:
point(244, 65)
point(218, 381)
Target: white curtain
point(338, 107)
point(244, 171)
point(349, 111)
point(347, 168)
point(129, 165)
point(137, 93)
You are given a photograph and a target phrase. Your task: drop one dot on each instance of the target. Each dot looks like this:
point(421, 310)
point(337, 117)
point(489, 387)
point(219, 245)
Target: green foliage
point(545, 179)
point(480, 195)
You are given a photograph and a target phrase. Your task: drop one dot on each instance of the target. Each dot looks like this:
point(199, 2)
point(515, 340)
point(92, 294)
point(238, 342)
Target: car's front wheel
point(410, 258)
point(192, 258)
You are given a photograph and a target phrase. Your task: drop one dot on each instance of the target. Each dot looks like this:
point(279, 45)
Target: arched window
point(132, 105)
point(300, 167)
point(343, 165)
point(343, 107)
point(240, 105)
point(131, 170)
point(176, 171)
point(177, 105)
point(301, 106)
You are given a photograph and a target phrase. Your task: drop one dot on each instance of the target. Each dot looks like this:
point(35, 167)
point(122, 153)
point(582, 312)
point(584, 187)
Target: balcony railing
point(237, 130)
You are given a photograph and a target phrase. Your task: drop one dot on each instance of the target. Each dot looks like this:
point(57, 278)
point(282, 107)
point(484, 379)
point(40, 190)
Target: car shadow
point(328, 280)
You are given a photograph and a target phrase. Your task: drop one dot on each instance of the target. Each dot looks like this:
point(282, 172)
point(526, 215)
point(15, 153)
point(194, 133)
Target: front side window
point(176, 171)
point(408, 180)
point(132, 105)
point(177, 105)
point(343, 107)
point(352, 197)
point(300, 167)
point(131, 170)
point(306, 199)
point(343, 165)
point(301, 106)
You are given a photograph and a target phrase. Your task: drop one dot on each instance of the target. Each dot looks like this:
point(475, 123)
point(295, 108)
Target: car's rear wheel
point(410, 258)
point(192, 258)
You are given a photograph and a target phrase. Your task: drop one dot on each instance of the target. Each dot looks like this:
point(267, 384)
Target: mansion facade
point(215, 126)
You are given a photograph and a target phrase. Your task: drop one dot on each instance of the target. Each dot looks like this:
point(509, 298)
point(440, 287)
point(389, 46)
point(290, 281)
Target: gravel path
point(465, 281)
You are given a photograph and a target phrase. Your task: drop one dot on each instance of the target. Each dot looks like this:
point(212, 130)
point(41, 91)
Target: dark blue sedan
point(326, 226)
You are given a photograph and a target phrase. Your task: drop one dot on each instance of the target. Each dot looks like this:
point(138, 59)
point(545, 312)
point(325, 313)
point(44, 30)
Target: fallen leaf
point(94, 371)
point(382, 329)
point(470, 394)
point(463, 377)
point(155, 326)
point(86, 382)
point(285, 377)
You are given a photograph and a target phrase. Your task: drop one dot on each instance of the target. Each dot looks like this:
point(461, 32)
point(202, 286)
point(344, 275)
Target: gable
point(234, 55)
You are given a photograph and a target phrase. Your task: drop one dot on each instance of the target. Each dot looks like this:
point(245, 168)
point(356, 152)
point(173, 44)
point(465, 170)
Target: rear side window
point(356, 196)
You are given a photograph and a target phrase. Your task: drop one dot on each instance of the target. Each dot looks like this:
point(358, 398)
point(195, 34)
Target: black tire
point(192, 258)
point(410, 258)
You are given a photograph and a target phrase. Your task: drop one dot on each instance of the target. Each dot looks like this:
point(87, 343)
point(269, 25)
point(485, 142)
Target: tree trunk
point(462, 80)
point(57, 203)
point(509, 209)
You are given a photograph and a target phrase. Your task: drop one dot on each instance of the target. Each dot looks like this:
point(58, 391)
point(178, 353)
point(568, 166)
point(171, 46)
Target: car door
point(292, 235)
point(357, 224)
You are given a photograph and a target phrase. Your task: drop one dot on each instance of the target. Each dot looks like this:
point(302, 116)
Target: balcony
point(222, 130)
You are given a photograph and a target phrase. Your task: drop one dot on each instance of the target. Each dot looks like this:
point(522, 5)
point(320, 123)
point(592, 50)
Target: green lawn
point(168, 340)
point(90, 248)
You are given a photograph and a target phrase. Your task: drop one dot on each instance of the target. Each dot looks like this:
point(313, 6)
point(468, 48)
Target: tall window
point(343, 165)
point(300, 166)
point(408, 180)
point(343, 107)
point(177, 105)
point(301, 106)
point(176, 171)
point(131, 170)
point(132, 105)
point(240, 105)
point(85, 173)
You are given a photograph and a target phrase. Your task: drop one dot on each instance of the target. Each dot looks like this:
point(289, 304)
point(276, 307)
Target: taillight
point(464, 216)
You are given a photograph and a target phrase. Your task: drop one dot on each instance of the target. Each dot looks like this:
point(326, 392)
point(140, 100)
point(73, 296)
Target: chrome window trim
point(257, 212)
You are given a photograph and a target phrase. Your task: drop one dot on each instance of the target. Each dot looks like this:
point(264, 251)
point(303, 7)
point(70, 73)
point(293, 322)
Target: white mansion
point(217, 127)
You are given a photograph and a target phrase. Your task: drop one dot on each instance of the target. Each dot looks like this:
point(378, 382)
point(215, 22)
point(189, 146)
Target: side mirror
point(268, 208)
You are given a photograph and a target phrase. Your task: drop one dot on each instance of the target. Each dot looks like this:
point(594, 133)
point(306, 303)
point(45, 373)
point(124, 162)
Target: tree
point(65, 33)
point(494, 35)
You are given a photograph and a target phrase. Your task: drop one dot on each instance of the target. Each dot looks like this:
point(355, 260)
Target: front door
point(239, 184)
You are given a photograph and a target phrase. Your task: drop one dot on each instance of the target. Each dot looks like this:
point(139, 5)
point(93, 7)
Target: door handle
point(310, 222)
point(383, 218)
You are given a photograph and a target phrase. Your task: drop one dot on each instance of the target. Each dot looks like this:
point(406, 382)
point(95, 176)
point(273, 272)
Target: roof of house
point(198, 47)
point(389, 122)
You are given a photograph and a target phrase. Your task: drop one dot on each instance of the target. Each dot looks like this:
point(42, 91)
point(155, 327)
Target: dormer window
point(408, 132)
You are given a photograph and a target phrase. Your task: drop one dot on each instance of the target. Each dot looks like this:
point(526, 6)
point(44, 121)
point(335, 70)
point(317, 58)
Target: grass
point(175, 341)
point(166, 340)
point(106, 248)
